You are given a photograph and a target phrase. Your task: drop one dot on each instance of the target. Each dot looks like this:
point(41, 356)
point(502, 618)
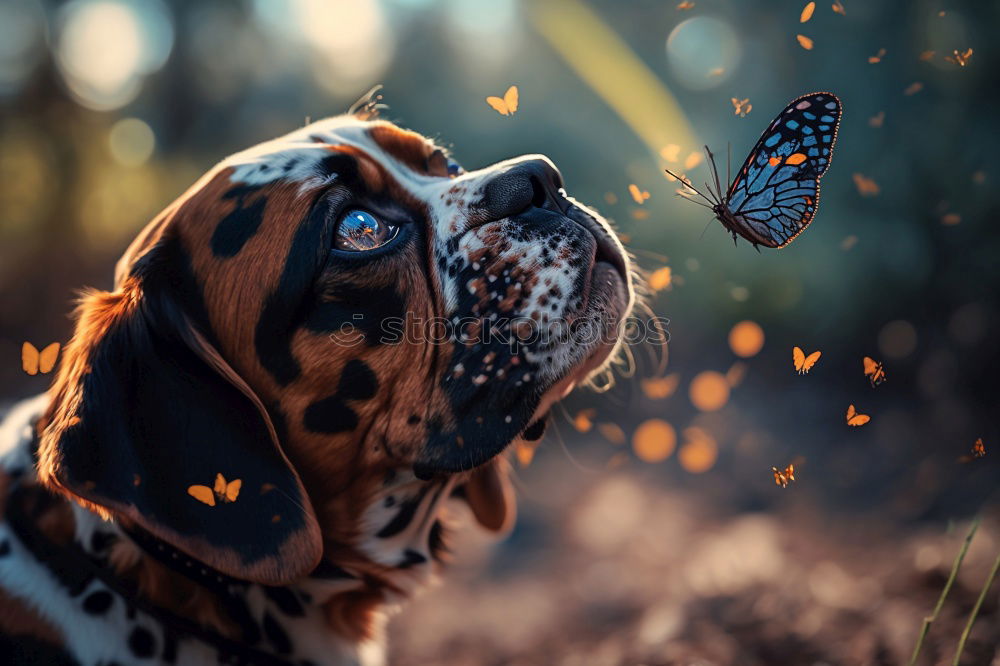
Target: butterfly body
point(775, 194)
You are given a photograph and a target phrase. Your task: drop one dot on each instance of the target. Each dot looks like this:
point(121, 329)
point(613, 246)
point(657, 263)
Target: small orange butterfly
point(877, 58)
point(926, 56)
point(960, 59)
point(873, 371)
point(742, 106)
point(803, 363)
point(807, 12)
point(686, 4)
point(978, 451)
point(224, 491)
point(507, 105)
point(639, 196)
point(804, 42)
point(782, 478)
point(856, 419)
point(867, 187)
point(34, 361)
point(839, 8)
point(612, 432)
point(877, 120)
point(913, 88)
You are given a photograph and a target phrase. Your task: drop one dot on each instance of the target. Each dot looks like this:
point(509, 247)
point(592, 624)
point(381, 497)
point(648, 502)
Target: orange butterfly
point(978, 449)
point(856, 419)
point(960, 59)
point(807, 12)
point(638, 195)
point(803, 363)
point(873, 371)
point(742, 106)
point(686, 4)
point(34, 361)
point(839, 8)
point(782, 478)
point(867, 187)
point(877, 58)
point(507, 105)
point(225, 492)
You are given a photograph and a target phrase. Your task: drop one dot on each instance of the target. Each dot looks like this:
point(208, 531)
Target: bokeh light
point(131, 141)
point(22, 41)
point(746, 338)
point(106, 47)
point(703, 52)
point(709, 391)
point(897, 339)
point(699, 452)
point(654, 440)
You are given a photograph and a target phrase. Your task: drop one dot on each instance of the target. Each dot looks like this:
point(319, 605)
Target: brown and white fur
point(242, 338)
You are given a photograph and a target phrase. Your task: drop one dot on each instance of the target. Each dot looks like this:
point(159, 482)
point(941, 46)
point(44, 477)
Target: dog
point(247, 450)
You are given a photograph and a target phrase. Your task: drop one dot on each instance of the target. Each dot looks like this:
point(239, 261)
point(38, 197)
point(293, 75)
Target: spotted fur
point(238, 341)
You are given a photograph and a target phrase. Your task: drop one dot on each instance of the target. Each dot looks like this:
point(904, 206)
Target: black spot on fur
point(98, 603)
point(332, 414)
point(367, 310)
point(276, 636)
point(236, 228)
point(411, 558)
point(141, 642)
point(535, 431)
point(403, 518)
point(278, 317)
point(285, 599)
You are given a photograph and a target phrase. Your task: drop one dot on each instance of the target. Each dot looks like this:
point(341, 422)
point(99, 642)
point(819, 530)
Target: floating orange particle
point(612, 432)
point(807, 12)
point(709, 391)
point(654, 440)
point(699, 452)
point(658, 388)
point(660, 279)
point(746, 338)
point(584, 420)
point(804, 42)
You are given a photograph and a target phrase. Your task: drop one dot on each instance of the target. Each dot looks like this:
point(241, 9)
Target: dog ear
point(490, 495)
point(148, 423)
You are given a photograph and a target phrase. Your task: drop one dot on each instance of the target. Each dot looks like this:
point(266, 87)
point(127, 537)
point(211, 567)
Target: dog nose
point(522, 183)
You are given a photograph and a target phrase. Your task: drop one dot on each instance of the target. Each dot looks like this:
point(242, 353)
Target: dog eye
point(359, 231)
point(454, 168)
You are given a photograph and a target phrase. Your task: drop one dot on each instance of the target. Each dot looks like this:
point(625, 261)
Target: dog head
point(319, 319)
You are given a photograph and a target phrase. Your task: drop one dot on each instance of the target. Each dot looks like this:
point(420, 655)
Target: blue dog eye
point(359, 231)
point(454, 168)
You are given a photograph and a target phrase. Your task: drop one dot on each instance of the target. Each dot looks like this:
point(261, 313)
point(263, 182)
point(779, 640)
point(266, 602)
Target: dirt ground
point(609, 568)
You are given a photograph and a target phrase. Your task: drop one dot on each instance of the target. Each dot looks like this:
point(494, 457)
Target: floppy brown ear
point(490, 495)
point(145, 415)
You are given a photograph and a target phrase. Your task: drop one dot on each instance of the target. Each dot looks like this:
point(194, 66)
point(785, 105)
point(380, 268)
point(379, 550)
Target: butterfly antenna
point(715, 172)
point(687, 183)
point(729, 159)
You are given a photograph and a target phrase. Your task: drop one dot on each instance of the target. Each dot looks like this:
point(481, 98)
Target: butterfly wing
point(775, 194)
point(220, 485)
point(233, 490)
point(29, 358)
point(798, 358)
point(203, 494)
point(870, 365)
point(498, 105)
point(510, 98)
point(811, 360)
point(47, 358)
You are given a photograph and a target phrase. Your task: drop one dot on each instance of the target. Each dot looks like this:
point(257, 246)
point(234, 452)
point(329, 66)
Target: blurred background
point(651, 529)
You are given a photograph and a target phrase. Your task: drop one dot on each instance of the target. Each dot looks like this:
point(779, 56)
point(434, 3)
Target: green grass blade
point(975, 611)
point(929, 620)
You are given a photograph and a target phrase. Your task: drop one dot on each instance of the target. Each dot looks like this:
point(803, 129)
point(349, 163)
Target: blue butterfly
point(776, 193)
